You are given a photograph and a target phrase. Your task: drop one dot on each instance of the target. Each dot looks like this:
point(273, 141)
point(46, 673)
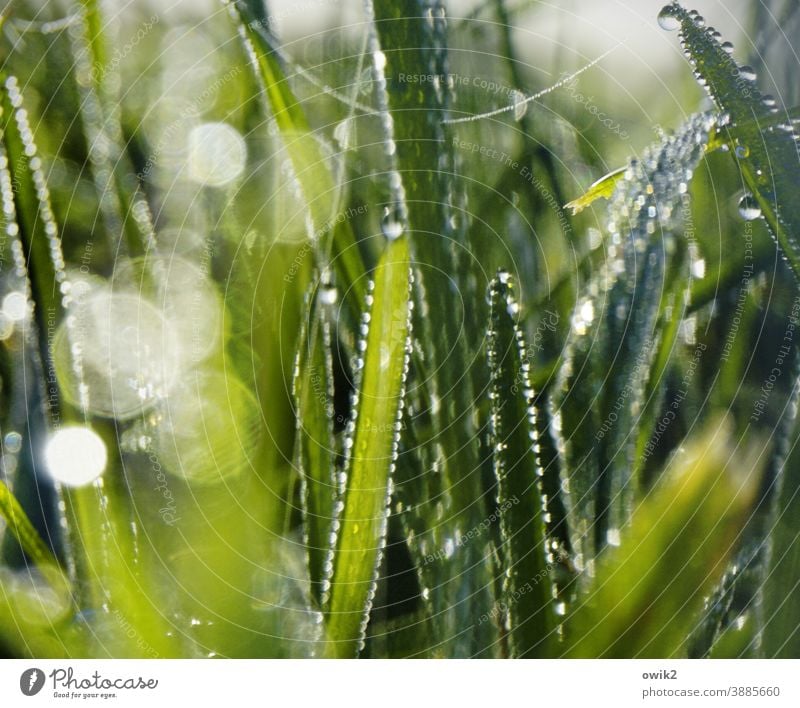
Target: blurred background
point(205, 154)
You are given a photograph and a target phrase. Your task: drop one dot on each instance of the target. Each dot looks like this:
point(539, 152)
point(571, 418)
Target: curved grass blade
point(309, 166)
point(766, 153)
point(604, 187)
point(603, 382)
point(371, 449)
point(528, 589)
point(314, 443)
point(648, 592)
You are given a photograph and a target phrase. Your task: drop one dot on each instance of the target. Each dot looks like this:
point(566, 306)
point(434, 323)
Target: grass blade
point(781, 585)
point(125, 212)
point(317, 183)
point(527, 586)
point(766, 153)
point(315, 444)
point(371, 448)
point(603, 383)
point(411, 41)
point(23, 530)
point(647, 593)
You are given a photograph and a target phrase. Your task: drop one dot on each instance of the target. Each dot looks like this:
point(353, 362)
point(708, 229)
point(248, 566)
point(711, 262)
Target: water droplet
point(75, 456)
point(520, 105)
point(342, 133)
point(391, 225)
point(13, 442)
point(15, 306)
point(667, 19)
point(748, 208)
point(379, 60)
point(587, 311)
point(328, 294)
point(130, 354)
point(699, 268)
point(217, 154)
point(747, 73)
point(727, 47)
point(742, 151)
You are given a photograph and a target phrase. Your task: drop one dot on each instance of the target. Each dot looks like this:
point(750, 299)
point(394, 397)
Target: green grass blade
point(20, 525)
point(781, 585)
point(315, 444)
point(99, 527)
point(766, 153)
point(37, 229)
point(372, 449)
point(318, 185)
point(647, 593)
point(603, 383)
point(411, 40)
point(527, 581)
point(124, 209)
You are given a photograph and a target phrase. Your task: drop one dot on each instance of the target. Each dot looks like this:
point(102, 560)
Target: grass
point(356, 378)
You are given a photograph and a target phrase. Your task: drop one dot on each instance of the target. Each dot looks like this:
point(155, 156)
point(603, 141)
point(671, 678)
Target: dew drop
point(343, 132)
point(613, 537)
point(379, 60)
point(328, 294)
point(747, 73)
point(217, 154)
point(727, 47)
point(698, 268)
point(13, 442)
point(748, 208)
point(667, 19)
point(391, 226)
point(520, 105)
point(15, 306)
point(75, 456)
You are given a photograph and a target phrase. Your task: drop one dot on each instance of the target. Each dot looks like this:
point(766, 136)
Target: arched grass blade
point(20, 525)
point(603, 383)
point(318, 185)
point(766, 153)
